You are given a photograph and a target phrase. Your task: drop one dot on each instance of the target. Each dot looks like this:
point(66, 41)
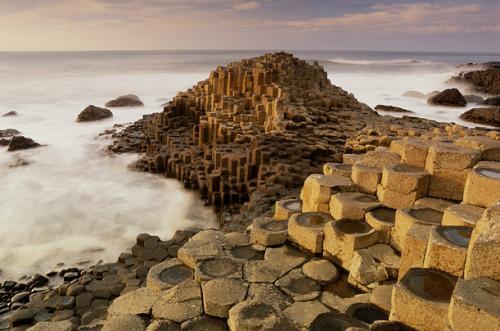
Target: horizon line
point(253, 50)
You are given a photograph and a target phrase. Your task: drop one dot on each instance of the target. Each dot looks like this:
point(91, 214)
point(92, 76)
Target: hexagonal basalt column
point(251, 315)
point(406, 218)
point(343, 237)
point(218, 267)
point(421, 299)
point(268, 232)
point(286, 208)
point(414, 151)
point(482, 187)
point(339, 169)
point(402, 185)
point(352, 206)
point(318, 188)
point(299, 286)
point(219, 295)
point(307, 230)
point(382, 220)
point(483, 255)
point(447, 249)
point(367, 173)
point(462, 215)
point(475, 305)
point(373, 265)
point(413, 253)
point(168, 274)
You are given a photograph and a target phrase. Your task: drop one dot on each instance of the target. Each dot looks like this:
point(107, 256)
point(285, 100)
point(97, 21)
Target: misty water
point(72, 203)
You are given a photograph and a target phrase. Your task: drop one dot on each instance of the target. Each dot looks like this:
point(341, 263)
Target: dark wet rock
point(493, 101)
point(470, 98)
point(129, 100)
point(20, 297)
point(20, 143)
point(4, 142)
point(449, 97)
point(487, 116)
point(22, 317)
point(8, 133)
point(10, 113)
point(93, 113)
point(482, 78)
point(392, 109)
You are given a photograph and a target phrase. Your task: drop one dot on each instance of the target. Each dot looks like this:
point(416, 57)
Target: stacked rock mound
point(262, 123)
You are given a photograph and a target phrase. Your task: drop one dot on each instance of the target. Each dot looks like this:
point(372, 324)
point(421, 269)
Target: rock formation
point(493, 101)
point(487, 116)
point(449, 97)
point(129, 100)
point(392, 109)
point(93, 113)
point(10, 113)
point(483, 78)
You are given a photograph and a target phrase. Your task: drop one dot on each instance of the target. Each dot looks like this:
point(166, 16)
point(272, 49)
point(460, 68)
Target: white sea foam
point(340, 60)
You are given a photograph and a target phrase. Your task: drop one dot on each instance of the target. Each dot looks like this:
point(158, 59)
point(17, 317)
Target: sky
point(72, 25)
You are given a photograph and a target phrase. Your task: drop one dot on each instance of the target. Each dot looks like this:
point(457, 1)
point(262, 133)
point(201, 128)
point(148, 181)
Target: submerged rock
point(414, 94)
point(93, 113)
point(129, 100)
point(493, 101)
point(10, 113)
point(450, 97)
point(392, 108)
point(488, 116)
point(471, 98)
point(20, 143)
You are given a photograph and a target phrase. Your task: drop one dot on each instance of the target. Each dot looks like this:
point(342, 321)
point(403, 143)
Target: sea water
point(74, 204)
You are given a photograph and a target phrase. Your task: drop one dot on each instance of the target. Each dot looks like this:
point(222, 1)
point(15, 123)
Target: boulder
point(449, 97)
point(392, 109)
point(487, 116)
point(493, 101)
point(10, 113)
point(93, 113)
point(20, 143)
point(129, 100)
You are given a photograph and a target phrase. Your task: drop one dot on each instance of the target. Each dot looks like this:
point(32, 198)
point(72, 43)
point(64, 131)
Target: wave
point(379, 62)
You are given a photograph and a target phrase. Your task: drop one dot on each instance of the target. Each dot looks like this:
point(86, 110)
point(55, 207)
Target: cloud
point(247, 5)
point(421, 18)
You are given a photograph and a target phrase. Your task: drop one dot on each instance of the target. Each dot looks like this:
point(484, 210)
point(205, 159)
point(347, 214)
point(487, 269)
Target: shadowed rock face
point(486, 79)
point(392, 108)
point(19, 143)
point(487, 116)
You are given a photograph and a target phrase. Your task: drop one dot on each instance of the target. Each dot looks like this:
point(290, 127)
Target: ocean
point(73, 204)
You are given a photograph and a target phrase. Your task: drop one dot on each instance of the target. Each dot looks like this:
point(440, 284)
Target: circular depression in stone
point(246, 253)
point(367, 312)
point(335, 322)
point(488, 172)
point(313, 219)
point(427, 215)
point(458, 235)
point(293, 205)
point(176, 274)
point(403, 167)
point(365, 198)
point(218, 267)
point(429, 284)
point(384, 214)
point(276, 226)
point(258, 311)
point(302, 286)
point(352, 227)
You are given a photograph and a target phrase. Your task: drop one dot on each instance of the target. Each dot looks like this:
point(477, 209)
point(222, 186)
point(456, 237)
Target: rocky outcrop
point(20, 143)
point(93, 113)
point(488, 116)
point(483, 78)
point(129, 100)
point(493, 101)
point(449, 97)
point(392, 109)
point(10, 113)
